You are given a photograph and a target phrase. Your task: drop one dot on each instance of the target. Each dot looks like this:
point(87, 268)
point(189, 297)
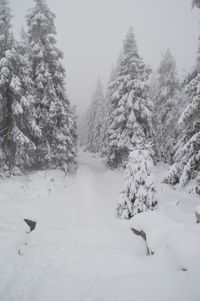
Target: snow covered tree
point(187, 156)
point(131, 108)
point(196, 3)
point(18, 125)
point(56, 147)
point(167, 106)
point(139, 192)
point(107, 112)
point(94, 121)
point(5, 45)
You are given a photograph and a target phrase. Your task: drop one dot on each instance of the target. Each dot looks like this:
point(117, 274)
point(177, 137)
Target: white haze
point(91, 32)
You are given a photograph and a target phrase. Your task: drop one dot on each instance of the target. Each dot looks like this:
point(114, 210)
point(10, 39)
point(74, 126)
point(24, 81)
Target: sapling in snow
point(139, 191)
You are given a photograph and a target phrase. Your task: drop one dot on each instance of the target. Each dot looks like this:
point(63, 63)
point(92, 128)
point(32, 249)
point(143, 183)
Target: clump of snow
point(156, 225)
point(169, 239)
point(183, 246)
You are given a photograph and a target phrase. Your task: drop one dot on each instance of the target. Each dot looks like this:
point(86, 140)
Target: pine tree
point(93, 132)
point(196, 3)
point(139, 192)
point(187, 156)
point(5, 45)
point(18, 126)
point(107, 112)
point(131, 108)
point(167, 106)
point(56, 148)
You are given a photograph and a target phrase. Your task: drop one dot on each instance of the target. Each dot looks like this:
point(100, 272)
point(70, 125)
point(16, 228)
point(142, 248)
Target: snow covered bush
point(139, 191)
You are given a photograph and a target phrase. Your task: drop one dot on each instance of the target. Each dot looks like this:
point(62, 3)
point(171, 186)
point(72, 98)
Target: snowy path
point(80, 251)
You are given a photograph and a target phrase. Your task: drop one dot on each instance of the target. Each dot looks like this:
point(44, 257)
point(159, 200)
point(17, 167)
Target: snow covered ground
point(80, 251)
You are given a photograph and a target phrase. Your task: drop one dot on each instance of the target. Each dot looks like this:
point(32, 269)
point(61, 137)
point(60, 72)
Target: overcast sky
point(90, 33)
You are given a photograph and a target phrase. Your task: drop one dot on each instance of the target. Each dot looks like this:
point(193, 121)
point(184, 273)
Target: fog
point(90, 33)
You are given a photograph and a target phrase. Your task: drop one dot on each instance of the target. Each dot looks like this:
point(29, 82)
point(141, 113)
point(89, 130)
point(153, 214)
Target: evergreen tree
point(167, 106)
point(56, 146)
point(131, 108)
point(196, 3)
point(107, 112)
point(139, 192)
point(187, 156)
point(93, 133)
point(5, 45)
point(18, 125)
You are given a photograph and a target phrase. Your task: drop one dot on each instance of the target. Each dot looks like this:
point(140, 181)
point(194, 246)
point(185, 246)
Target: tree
point(131, 108)
point(18, 125)
point(56, 147)
point(167, 106)
point(196, 3)
point(93, 132)
point(107, 112)
point(187, 156)
point(139, 192)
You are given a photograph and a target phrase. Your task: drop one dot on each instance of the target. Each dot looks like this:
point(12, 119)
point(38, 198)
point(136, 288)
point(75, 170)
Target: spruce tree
point(139, 191)
point(167, 106)
point(56, 147)
point(18, 126)
point(94, 128)
point(187, 156)
point(196, 3)
point(107, 112)
point(131, 108)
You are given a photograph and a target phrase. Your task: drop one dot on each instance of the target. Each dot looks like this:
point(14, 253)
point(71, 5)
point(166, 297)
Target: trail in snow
point(80, 251)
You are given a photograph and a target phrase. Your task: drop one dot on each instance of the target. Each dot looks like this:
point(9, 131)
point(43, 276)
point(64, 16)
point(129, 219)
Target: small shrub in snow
point(139, 192)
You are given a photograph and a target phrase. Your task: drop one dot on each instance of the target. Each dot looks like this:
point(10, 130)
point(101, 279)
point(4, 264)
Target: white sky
point(90, 33)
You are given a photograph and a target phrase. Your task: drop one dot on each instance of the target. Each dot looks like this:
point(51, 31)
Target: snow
point(80, 250)
point(197, 209)
point(156, 225)
point(166, 235)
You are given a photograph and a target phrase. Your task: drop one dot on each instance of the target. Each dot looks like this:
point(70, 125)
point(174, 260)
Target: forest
point(105, 207)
